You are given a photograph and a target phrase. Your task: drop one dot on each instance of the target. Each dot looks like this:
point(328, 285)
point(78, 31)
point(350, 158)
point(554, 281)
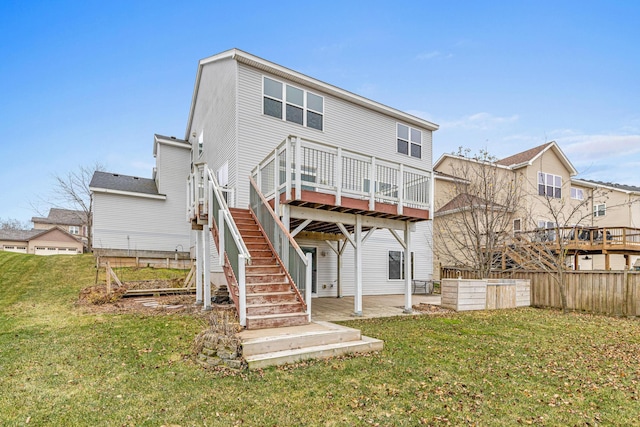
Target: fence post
point(242, 290)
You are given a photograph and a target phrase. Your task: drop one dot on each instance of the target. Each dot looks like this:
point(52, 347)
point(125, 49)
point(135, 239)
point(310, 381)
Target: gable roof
point(107, 182)
point(527, 157)
point(19, 235)
point(464, 201)
point(168, 140)
point(28, 235)
point(524, 156)
point(294, 76)
point(62, 217)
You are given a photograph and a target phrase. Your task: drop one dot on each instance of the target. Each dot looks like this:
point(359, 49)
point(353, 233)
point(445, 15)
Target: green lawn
point(62, 366)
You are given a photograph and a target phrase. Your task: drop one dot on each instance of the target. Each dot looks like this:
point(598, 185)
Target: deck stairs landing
point(316, 340)
point(271, 300)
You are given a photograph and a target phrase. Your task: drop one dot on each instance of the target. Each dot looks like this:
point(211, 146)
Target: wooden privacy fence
point(603, 292)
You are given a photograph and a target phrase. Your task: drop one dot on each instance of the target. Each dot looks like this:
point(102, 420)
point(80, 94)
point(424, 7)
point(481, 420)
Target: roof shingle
point(130, 184)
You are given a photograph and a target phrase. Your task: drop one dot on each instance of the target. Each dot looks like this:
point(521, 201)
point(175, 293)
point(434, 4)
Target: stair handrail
point(235, 232)
point(286, 232)
point(283, 255)
point(223, 220)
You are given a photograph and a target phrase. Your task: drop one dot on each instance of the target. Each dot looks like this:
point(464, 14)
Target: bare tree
point(477, 218)
point(72, 191)
point(565, 229)
point(13, 224)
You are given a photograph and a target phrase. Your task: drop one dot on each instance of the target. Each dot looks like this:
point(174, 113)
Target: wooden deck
point(348, 205)
point(576, 241)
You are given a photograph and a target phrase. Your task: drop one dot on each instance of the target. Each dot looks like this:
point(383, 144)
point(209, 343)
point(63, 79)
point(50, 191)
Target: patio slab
point(336, 309)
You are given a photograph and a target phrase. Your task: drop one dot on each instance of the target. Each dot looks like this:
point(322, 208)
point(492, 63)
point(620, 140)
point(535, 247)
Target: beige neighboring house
point(602, 227)
point(72, 221)
point(52, 241)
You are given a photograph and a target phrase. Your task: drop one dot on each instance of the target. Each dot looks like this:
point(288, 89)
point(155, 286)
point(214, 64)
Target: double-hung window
point(409, 140)
point(549, 185)
point(600, 209)
point(74, 229)
point(577, 193)
point(396, 265)
point(292, 104)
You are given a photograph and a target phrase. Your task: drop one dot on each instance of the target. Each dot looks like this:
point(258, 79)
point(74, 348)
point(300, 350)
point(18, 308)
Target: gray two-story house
point(299, 186)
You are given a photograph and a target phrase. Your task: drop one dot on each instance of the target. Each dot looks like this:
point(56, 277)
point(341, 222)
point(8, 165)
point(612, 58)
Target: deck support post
point(407, 268)
point(308, 283)
point(338, 169)
point(298, 169)
point(242, 290)
point(287, 169)
point(199, 265)
point(221, 242)
point(357, 301)
point(207, 269)
point(372, 185)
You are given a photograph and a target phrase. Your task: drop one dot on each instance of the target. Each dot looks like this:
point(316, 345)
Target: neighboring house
point(51, 241)
point(72, 221)
point(144, 217)
point(601, 219)
point(351, 172)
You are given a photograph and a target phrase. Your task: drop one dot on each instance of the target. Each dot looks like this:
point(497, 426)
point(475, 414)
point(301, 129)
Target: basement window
point(396, 265)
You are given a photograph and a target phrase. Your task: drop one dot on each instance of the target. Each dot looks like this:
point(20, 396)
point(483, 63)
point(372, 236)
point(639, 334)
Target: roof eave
point(127, 193)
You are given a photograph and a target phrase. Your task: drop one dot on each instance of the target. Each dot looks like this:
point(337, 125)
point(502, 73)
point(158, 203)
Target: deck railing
point(296, 263)
point(208, 200)
point(587, 238)
point(299, 164)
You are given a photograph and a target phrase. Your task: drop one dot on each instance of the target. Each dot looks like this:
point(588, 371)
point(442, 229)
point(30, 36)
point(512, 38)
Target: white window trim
point(409, 141)
point(553, 186)
point(513, 225)
point(579, 193)
point(597, 212)
point(284, 102)
point(413, 254)
point(201, 143)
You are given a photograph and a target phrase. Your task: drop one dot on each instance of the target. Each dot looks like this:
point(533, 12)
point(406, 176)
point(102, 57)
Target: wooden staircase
point(272, 300)
point(525, 254)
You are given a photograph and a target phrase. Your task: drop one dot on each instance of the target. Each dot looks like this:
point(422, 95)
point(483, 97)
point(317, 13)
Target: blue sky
point(91, 81)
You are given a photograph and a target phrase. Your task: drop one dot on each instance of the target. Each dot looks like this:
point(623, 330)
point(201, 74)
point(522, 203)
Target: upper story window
point(600, 210)
point(200, 143)
point(409, 141)
point(549, 185)
point(74, 229)
point(292, 104)
point(577, 193)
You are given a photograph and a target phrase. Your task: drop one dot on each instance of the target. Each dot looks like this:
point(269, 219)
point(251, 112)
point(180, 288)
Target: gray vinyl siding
point(375, 263)
point(215, 115)
point(139, 223)
point(229, 110)
point(346, 125)
point(134, 223)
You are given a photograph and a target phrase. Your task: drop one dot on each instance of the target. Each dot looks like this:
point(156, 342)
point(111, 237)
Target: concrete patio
point(335, 309)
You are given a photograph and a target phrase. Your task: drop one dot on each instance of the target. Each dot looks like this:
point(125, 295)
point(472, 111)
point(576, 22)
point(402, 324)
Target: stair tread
point(270, 293)
point(363, 341)
point(275, 316)
point(270, 304)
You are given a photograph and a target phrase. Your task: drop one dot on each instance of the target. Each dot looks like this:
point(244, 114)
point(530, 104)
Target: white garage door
point(19, 249)
point(43, 250)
